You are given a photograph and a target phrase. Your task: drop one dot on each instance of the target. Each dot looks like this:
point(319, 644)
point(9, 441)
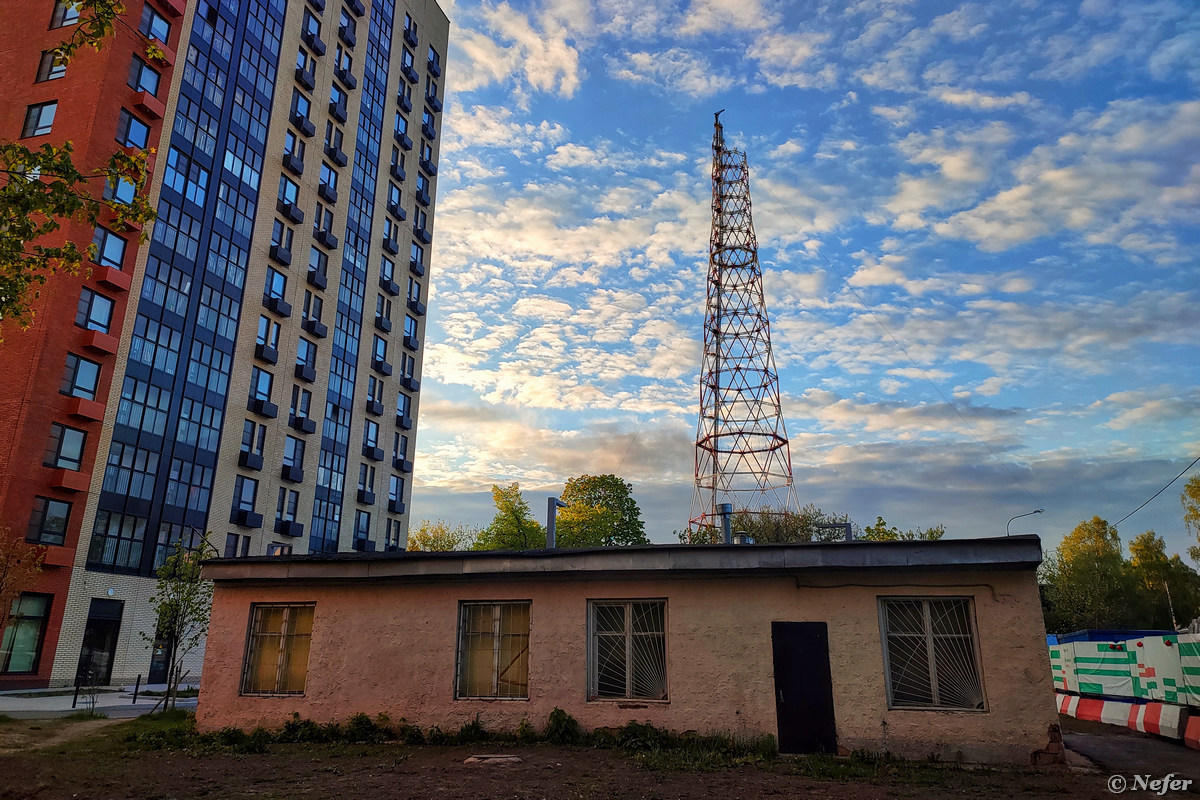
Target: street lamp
point(1007, 532)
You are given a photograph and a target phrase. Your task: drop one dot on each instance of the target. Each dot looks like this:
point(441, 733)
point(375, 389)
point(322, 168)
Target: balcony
point(245, 518)
point(428, 167)
point(398, 172)
point(290, 210)
point(428, 131)
point(289, 527)
point(302, 424)
point(384, 324)
point(389, 286)
point(434, 102)
point(364, 545)
point(366, 498)
point(168, 55)
point(318, 5)
point(422, 234)
point(402, 464)
point(280, 255)
point(250, 460)
point(374, 408)
point(263, 407)
point(326, 239)
point(391, 246)
point(293, 164)
point(372, 453)
point(435, 67)
point(396, 506)
point(113, 278)
point(337, 111)
point(356, 7)
point(327, 193)
point(409, 72)
point(304, 125)
point(103, 343)
point(347, 36)
point(69, 480)
point(315, 327)
point(423, 198)
point(410, 383)
point(337, 155)
point(400, 214)
point(317, 279)
point(382, 367)
point(402, 140)
point(306, 79)
point(417, 307)
point(314, 43)
point(404, 423)
point(405, 102)
point(149, 105)
point(265, 352)
point(348, 80)
point(83, 408)
point(410, 36)
point(411, 342)
point(277, 305)
point(416, 267)
point(305, 373)
point(292, 473)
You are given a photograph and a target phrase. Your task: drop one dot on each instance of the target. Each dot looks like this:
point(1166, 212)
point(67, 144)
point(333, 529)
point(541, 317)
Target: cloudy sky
point(977, 225)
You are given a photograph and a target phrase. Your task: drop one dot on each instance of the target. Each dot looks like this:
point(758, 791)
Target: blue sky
point(1010, 191)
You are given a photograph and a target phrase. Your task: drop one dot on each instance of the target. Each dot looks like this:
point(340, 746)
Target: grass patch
point(85, 714)
point(872, 767)
point(193, 692)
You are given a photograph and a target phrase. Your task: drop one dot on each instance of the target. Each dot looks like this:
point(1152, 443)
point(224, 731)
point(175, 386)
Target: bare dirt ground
point(90, 759)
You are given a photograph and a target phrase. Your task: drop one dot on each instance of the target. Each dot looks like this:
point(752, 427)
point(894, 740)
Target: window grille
point(929, 654)
point(627, 650)
point(493, 650)
point(277, 649)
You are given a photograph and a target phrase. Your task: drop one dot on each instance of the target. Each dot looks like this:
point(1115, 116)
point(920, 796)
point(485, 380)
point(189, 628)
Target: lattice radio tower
point(742, 453)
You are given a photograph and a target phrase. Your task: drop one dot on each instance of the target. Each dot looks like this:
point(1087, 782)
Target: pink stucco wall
point(390, 647)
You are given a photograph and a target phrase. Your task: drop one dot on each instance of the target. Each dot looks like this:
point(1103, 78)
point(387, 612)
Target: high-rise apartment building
point(262, 385)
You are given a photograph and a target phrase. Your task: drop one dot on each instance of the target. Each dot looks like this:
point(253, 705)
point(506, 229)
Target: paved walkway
point(1139, 754)
point(114, 702)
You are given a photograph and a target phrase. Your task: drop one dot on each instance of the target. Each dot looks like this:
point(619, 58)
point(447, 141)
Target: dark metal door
point(803, 687)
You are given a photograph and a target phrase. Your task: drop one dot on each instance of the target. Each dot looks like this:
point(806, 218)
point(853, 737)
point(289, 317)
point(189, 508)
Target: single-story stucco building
point(916, 648)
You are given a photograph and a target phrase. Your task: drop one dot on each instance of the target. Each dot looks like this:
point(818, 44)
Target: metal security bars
point(627, 645)
point(277, 649)
point(930, 655)
point(493, 651)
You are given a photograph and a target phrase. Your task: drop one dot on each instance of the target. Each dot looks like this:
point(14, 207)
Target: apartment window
point(110, 248)
point(268, 333)
point(434, 58)
point(65, 449)
point(362, 525)
point(627, 650)
point(493, 650)
point(401, 126)
point(254, 437)
point(396, 488)
point(276, 283)
point(293, 452)
point(343, 60)
point(414, 290)
point(333, 136)
point(154, 25)
point(427, 119)
point(301, 105)
point(391, 228)
point(337, 97)
point(370, 433)
point(94, 311)
point(245, 493)
point(409, 25)
point(289, 192)
point(281, 235)
point(131, 131)
point(80, 378)
point(379, 349)
point(305, 62)
point(431, 87)
point(408, 365)
point(123, 192)
point(403, 404)
point(387, 269)
point(416, 253)
point(232, 542)
point(397, 157)
point(406, 93)
point(23, 635)
point(392, 534)
point(407, 58)
point(366, 478)
point(142, 77)
point(49, 67)
point(278, 549)
point(301, 402)
point(311, 24)
point(329, 176)
point(393, 195)
point(277, 648)
point(48, 523)
point(348, 22)
point(306, 353)
point(323, 219)
point(410, 326)
point(422, 184)
point(427, 151)
point(39, 119)
point(260, 384)
point(65, 13)
point(420, 219)
point(383, 308)
point(285, 506)
point(293, 145)
point(318, 262)
point(312, 306)
point(929, 653)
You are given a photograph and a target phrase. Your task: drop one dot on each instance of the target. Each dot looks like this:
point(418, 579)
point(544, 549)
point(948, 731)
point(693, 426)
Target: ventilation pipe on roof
point(726, 512)
point(552, 506)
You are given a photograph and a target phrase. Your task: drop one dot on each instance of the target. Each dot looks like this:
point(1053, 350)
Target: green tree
point(513, 527)
point(43, 188)
point(182, 603)
point(1088, 582)
point(1191, 513)
point(600, 511)
point(20, 564)
point(882, 532)
point(441, 536)
point(767, 526)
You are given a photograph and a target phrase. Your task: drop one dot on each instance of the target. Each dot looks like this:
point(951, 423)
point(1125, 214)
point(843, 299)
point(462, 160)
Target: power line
point(1156, 494)
point(904, 350)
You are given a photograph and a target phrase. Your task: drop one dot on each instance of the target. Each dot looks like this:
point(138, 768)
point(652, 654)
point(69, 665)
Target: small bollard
point(137, 687)
point(75, 698)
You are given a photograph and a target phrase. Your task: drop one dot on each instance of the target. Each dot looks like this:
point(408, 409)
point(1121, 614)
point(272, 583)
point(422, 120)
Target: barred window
point(929, 653)
point(493, 650)
point(277, 649)
point(627, 644)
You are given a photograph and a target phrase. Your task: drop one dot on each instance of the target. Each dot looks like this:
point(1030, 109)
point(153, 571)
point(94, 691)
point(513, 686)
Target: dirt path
point(23, 735)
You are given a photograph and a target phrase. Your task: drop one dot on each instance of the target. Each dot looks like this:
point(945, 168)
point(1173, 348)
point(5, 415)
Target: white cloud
point(670, 71)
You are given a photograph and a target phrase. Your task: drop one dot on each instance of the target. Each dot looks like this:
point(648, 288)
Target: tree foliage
point(1191, 513)
point(882, 532)
point(43, 189)
point(767, 526)
point(20, 564)
point(513, 527)
point(441, 536)
point(182, 603)
point(1088, 583)
point(600, 511)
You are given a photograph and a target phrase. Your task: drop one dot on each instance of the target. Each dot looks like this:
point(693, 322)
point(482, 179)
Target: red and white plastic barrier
point(1191, 733)
point(1163, 719)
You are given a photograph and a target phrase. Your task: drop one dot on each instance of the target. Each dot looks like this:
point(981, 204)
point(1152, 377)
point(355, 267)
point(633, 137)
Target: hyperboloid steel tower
point(742, 454)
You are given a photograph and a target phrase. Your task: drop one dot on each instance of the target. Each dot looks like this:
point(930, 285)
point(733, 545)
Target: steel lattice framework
point(742, 453)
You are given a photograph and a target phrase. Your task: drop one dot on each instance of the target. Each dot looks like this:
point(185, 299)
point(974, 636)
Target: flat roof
point(1023, 552)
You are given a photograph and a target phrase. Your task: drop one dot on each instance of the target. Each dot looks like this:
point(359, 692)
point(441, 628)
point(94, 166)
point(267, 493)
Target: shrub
point(362, 729)
point(472, 732)
point(562, 728)
point(526, 733)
